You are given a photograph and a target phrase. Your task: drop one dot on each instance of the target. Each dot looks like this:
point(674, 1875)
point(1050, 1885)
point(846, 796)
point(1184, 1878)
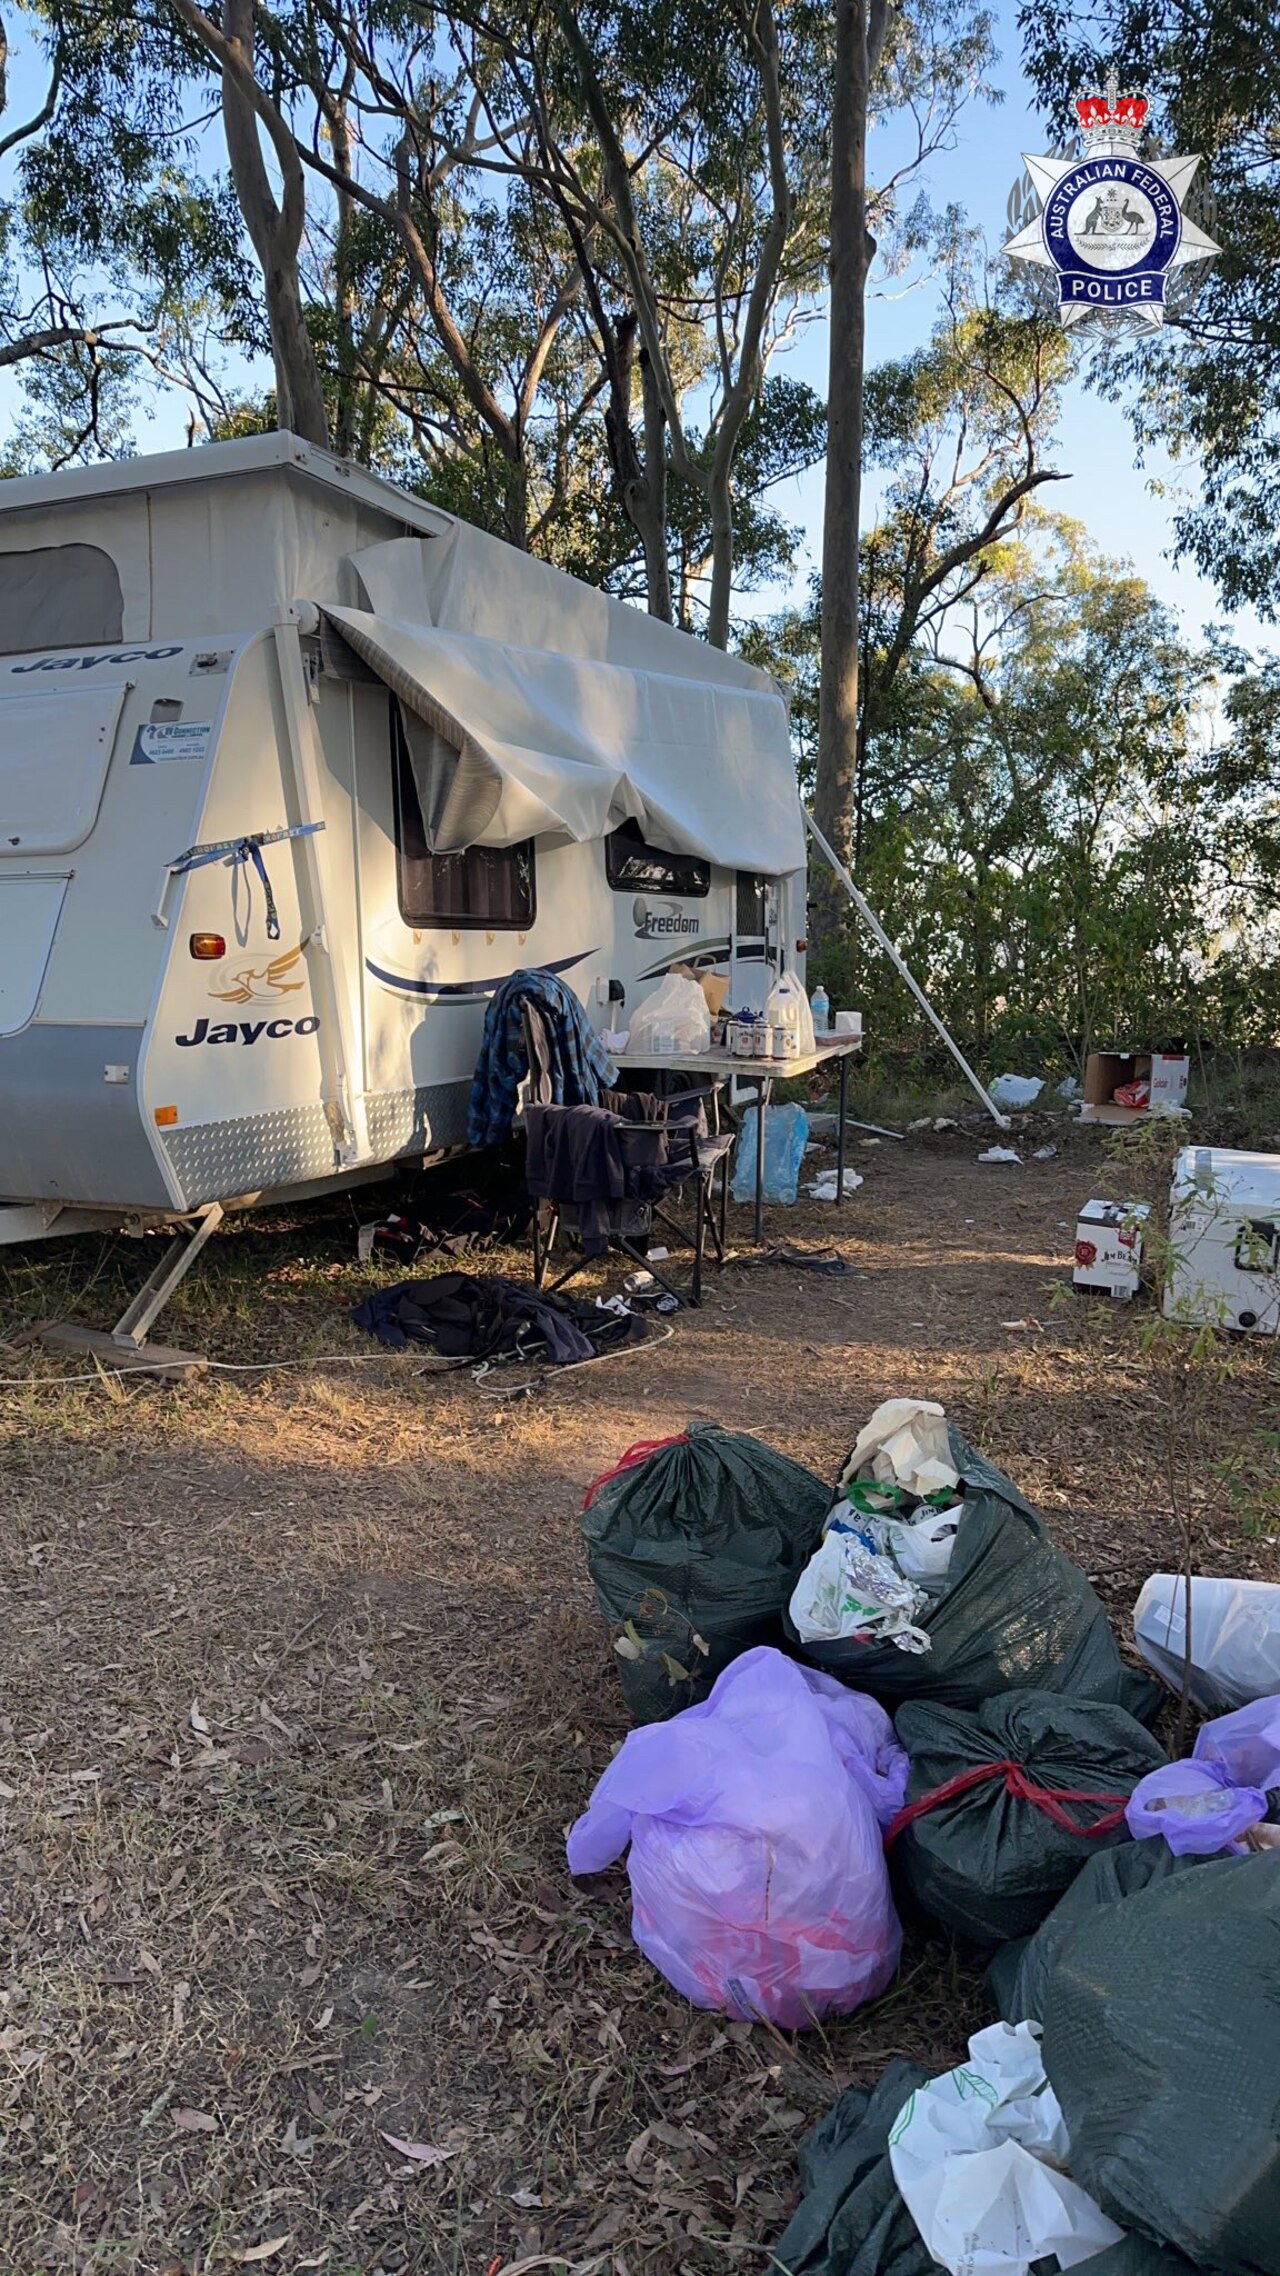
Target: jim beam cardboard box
point(1109, 1247)
point(1165, 1075)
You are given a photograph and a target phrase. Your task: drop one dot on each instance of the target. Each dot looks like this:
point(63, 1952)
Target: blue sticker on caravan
point(246, 1030)
point(160, 741)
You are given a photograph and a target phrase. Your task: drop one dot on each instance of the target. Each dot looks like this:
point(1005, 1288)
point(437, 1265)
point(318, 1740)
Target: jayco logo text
point(247, 1030)
point(91, 663)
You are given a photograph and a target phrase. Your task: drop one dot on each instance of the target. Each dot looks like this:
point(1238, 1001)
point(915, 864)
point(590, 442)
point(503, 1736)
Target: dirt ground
point(301, 1685)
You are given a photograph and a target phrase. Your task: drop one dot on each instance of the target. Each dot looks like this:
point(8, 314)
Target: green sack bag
point(693, 1551)
point(1019, 1972)
point(1161, 2044)
point(1015, 1614)
point(1004, 1806)
point(852, 2220)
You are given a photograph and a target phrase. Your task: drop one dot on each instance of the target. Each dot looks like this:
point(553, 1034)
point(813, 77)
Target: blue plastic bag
point(786, 1134)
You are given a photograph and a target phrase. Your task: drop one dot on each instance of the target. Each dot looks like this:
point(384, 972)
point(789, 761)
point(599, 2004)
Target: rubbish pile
point(485, 1316)
point(1235, 1636)
point(904, 1695)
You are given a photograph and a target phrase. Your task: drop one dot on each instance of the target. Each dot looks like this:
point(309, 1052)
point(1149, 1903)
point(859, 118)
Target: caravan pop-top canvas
point(294, 771)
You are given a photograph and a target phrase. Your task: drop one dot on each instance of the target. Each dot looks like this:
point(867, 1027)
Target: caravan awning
point(525, 742)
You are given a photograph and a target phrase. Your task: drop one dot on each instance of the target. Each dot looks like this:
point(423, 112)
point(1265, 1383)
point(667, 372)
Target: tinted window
point(485, 888)
point(59, 596)
point(631, 866)
point(749, 915)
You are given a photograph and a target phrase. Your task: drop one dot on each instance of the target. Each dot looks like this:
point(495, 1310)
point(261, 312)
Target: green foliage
point(1051, 833)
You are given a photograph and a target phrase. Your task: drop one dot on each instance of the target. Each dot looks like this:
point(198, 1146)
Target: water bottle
point(820, 1006)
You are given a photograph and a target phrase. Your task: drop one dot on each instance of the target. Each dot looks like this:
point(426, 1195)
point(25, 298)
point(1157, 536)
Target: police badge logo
point(1111, 225)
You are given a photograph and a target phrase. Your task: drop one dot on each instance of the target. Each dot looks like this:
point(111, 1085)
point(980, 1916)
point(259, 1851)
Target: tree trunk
point(346, 406)
point(276, 234)
point(858, 42)
point(720, 502)
point(650, 516)
point(299, 394)
point(861, 737)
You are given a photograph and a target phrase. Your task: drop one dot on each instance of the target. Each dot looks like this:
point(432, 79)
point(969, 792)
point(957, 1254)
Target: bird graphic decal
point(258, 983)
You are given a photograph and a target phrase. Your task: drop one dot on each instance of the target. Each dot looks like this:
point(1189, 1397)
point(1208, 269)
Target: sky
point(1107, 491)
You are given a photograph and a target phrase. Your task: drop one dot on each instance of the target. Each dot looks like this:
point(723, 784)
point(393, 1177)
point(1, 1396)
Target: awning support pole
point(878, 933)
point(339, 1044)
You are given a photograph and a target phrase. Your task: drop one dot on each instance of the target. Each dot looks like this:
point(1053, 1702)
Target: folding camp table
point(761, 1074)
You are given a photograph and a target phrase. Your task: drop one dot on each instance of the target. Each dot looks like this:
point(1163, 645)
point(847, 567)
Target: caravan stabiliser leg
point(158, 1287)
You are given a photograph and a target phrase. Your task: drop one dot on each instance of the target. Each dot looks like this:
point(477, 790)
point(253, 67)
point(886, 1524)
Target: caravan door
point(29, 911)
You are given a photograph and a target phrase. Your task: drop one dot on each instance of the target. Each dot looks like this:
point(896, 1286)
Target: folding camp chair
point(694, 1158)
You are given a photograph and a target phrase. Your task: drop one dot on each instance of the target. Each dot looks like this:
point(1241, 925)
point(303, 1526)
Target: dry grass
point(302, 1686)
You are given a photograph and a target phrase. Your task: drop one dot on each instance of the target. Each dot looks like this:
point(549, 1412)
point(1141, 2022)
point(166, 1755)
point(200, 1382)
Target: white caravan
point(294, 770)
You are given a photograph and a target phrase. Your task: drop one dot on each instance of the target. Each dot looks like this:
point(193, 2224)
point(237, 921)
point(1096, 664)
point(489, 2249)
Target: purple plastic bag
point(1195, 1806)
point(1246, 1743)
point(755, 1821)
point(1205, 1805)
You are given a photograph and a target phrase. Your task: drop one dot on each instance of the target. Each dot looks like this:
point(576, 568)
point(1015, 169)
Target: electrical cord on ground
point(321, 1359)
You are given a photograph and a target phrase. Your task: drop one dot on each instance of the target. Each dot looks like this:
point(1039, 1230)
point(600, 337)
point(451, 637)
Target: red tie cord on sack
point(1022, 1789)
point(632, 1460)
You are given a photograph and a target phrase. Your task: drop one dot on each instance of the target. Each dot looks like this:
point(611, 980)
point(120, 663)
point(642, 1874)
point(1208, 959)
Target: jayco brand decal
point(91, 663)
point(246, 1030)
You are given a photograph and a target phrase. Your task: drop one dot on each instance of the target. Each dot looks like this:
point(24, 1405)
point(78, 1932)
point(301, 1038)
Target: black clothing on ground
point(481, 1316)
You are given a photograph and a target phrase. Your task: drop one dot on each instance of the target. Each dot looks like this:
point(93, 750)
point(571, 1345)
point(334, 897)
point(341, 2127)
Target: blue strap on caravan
point(237, 850)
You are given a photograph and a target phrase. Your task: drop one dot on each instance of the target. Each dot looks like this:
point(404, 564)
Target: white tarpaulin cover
point(558, 744)
point(463, 580)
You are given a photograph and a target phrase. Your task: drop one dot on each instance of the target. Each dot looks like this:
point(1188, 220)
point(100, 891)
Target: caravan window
point(59, 596)
point(485, 888)
point(631, 866)
point(750, 913)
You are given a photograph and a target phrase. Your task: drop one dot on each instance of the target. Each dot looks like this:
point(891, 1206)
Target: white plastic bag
point(1016, 1090)
point(904, 1444)
point(788, 1006)
point(823, 1187)
point(921, 1547)
point(1235, 1636)
point(674, 1019)
point(978, 2154)
point(847, 1590)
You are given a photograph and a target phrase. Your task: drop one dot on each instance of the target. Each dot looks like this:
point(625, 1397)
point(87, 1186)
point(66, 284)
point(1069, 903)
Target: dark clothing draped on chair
point(577, 1067)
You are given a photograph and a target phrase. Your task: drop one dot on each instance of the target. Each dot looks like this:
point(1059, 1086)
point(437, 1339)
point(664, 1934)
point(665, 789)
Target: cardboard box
point(1109, 1247)
point(1105, 1072)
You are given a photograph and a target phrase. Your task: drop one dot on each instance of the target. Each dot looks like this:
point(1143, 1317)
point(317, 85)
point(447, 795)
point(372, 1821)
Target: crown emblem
point(1112, 121)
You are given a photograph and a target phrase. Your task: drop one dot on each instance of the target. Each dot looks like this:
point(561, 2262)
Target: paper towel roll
point(848, 1023)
